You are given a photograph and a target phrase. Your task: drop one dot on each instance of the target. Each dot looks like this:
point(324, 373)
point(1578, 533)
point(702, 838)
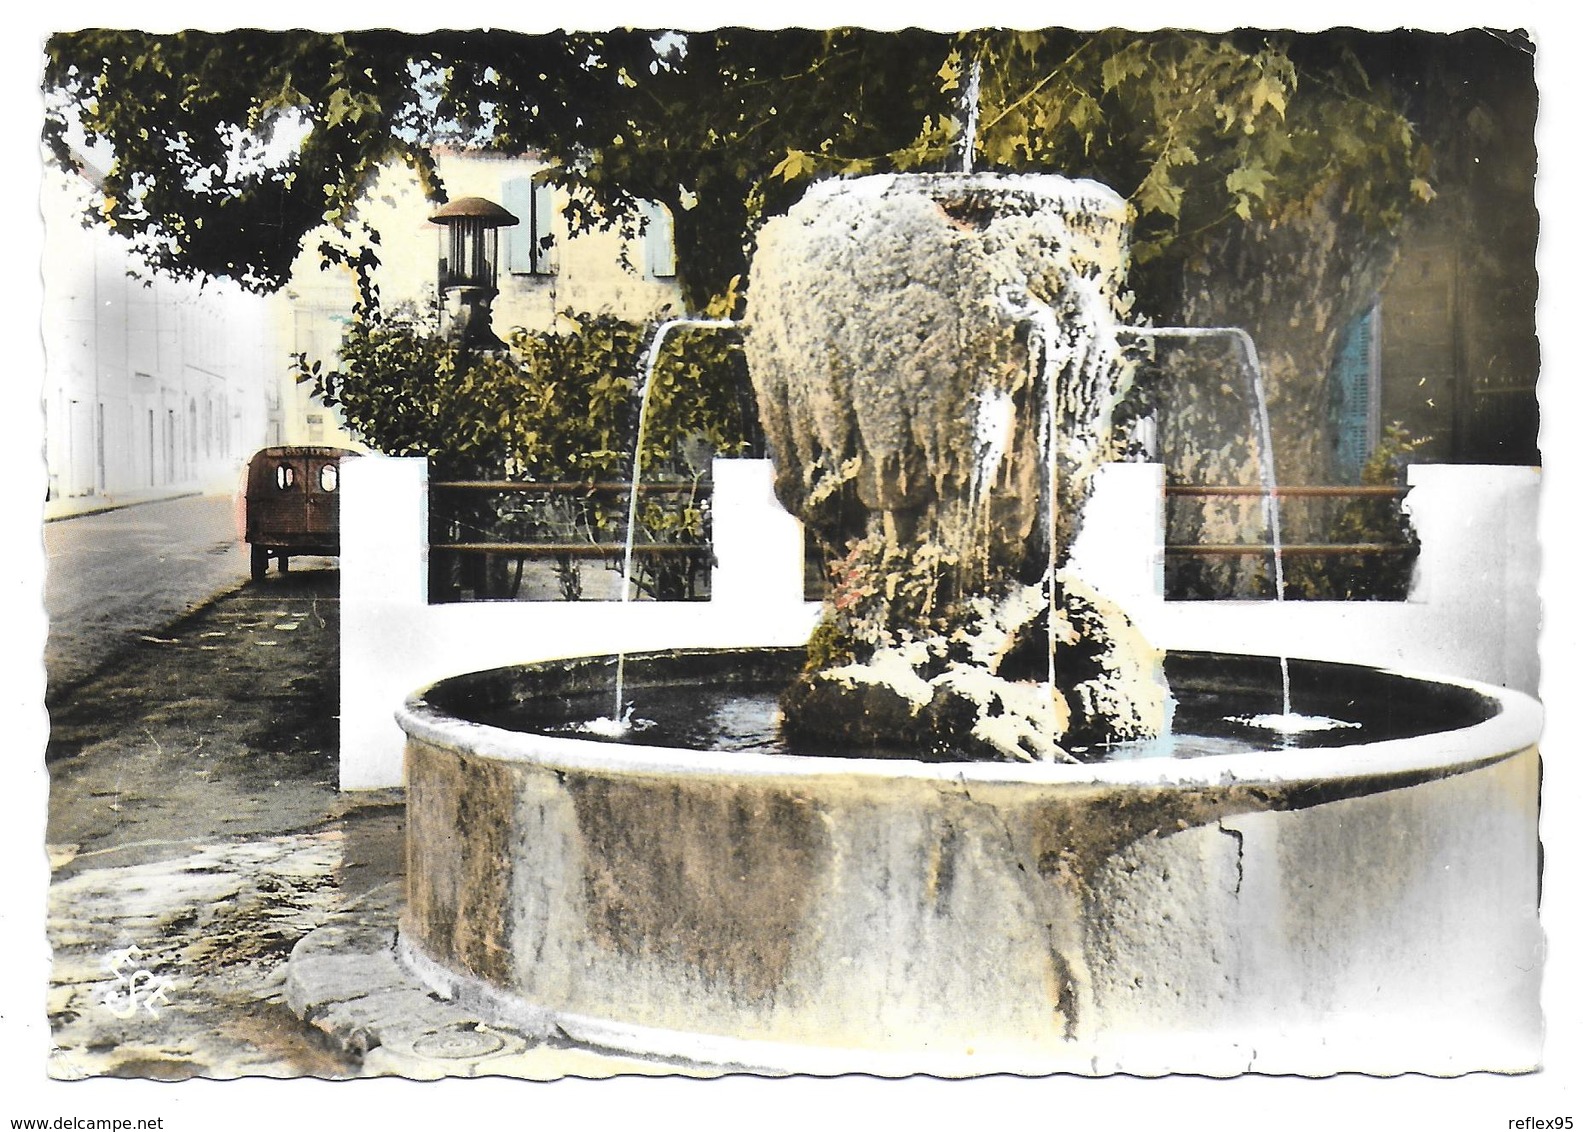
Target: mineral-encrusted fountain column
point(917, 421)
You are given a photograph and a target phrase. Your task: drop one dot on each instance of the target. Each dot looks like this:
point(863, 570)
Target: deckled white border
point(1483, 1102)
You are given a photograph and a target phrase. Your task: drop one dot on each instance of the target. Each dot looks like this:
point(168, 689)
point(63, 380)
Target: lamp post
point(469, 269)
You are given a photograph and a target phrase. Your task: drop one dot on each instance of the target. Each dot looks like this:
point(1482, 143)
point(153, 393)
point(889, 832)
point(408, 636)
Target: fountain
point(978, 825)
point(937, 366)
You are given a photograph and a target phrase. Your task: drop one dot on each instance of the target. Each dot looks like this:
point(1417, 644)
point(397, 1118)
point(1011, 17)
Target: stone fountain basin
point(1369, 907)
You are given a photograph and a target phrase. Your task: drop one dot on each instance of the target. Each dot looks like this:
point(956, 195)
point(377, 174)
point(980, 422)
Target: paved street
point(196, 836)
point(115, 577)
point(193, 816)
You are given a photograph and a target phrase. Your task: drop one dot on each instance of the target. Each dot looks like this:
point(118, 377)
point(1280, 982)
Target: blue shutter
point(530, 246)
point(659, 241)
point(1353, 386)
point(518, 194)
point(545, 250)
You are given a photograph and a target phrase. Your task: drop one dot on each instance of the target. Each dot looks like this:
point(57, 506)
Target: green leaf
point(950, 72)
point(1085, 113)
point(339, 106)
point(1249, 180)
point(1112, 72)
point(797, 164)
point(1158, 193)
point(1267, 91)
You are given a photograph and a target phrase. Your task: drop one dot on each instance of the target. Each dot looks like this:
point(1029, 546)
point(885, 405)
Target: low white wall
point(393, 642)
point(1473, 610)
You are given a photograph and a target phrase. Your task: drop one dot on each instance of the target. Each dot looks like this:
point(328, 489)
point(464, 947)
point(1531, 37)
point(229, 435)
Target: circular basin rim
point(1513, 727)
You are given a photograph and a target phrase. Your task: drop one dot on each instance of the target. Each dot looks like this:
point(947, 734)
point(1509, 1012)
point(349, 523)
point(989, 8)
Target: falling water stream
point(1287, 722)
point(1042, 344)
point(1043, 337)
point(1044, 340)
point(970, 112)
point(620, 719)
point(1044, 329)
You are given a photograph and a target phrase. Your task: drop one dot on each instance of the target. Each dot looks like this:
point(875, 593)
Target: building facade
point(152, 385)
point(544, 269)
point(160, 385)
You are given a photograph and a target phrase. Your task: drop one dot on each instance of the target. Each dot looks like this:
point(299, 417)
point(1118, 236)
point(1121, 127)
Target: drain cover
point(459, 1043)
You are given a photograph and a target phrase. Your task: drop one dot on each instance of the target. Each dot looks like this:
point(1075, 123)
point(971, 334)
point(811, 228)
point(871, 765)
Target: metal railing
point(456, 536)
point(1295, 491)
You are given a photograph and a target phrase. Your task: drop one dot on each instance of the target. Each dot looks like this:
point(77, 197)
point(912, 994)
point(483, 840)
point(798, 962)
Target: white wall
point(151, 383)
point(393, 642)
point(1473, 610)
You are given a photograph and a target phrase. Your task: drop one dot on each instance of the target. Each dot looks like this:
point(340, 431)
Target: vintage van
point(292, 504)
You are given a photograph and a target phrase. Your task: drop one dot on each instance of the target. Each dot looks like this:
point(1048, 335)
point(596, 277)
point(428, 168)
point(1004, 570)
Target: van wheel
point(285, 563)
point(260, 563)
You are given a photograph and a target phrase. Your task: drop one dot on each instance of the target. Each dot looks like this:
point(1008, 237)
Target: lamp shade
point(469, 255)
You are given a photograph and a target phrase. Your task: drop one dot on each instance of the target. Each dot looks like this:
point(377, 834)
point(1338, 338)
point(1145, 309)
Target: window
point(659, 241)
point(530, 246)
point(285, 476)
point(329, 477)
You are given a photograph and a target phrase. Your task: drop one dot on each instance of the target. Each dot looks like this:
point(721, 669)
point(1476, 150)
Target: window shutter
point(1354, 383)
point(659, 241)
point(518, 200)
point(545, 250)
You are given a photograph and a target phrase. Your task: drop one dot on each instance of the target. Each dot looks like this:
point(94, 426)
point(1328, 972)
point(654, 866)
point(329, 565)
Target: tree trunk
point(710, 233)
point(1294, 284)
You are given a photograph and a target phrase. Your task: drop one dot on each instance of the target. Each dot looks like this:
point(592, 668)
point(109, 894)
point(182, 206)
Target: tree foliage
point(724, 127)
point(1267, 174)
point(561, 406)
point(697, 123)
point(1202, 132)
point(1266, 171)
point(1371, 520)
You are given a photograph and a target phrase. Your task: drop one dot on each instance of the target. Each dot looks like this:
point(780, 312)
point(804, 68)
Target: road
point(117, 577)
point(193, 814)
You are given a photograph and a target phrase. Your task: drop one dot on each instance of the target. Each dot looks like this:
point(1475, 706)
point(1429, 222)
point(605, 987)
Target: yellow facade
point(595, 271)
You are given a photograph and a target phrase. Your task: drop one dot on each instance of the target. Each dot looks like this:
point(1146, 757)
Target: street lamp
point(470, 269)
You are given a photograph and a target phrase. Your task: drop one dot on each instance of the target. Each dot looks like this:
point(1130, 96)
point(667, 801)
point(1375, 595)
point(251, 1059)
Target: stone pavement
point(72, 506)
point(197, 838)
point(344, 979)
